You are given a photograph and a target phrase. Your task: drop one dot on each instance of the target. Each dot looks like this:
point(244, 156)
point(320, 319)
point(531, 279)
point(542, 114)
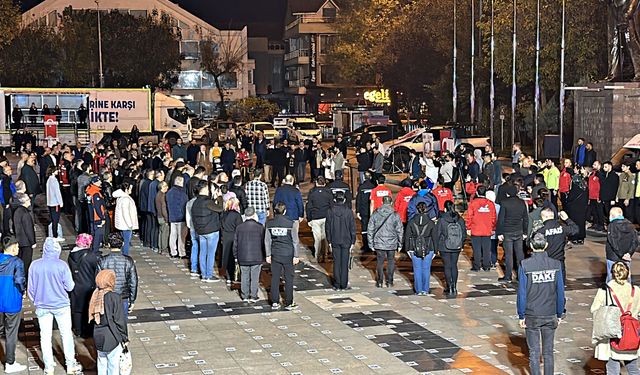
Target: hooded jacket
point(622, 239)
point(441, 230)
point(415, 227)
point(126, 215)
point(385, 229)
point(481, 217)
point(248, 243)
point(423, 195)
point(340, 227)
point(12, 284)
point(126, 274)
point(50, 278)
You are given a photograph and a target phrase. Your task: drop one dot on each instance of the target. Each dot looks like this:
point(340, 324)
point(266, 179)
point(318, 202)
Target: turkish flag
point(50, 126)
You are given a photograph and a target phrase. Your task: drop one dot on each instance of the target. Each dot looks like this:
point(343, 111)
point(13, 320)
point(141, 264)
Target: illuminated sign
point(378, 96)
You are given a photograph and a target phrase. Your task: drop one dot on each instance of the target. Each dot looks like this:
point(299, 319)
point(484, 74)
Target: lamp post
point(472, 96)
point(513, 77)
point(101, 74)
point(491, 89)
point(455, 63)
point(562, 77)
point(536, 109)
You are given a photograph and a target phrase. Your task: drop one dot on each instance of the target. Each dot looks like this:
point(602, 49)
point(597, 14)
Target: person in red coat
point(403, 198)
point(564, 183)
point(481, 224)
point(442, 193)
point(595, 213)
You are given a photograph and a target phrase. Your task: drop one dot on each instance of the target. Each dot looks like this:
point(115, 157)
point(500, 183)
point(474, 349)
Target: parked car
point(214, 131)
point(384, 132)
point(303, 129)
point(265, 127)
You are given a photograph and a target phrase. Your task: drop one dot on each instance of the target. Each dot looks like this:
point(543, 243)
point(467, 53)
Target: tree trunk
point(222, 115)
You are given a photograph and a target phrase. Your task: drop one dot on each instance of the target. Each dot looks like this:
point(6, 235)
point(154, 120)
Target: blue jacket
point(579, 156)
point(292, 198)
point(427, 197)
point(151, 199)
point(176, 203)
point(12, 284)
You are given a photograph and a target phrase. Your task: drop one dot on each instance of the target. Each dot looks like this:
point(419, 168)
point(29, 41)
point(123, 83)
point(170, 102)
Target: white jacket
point(126, 215)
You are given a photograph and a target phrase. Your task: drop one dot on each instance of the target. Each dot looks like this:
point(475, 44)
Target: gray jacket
point(83, 182)
point(378, 163)
point(385, 232)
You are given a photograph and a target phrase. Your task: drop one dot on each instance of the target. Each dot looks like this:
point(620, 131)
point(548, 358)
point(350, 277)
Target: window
point(329, 13)
point(189, 79)
point(207, 81)
point(53, 19)
point(251, 76)
point(138, 13)
point(189, 49)
point(326, 42)
point(327, 74)
point(229, 81)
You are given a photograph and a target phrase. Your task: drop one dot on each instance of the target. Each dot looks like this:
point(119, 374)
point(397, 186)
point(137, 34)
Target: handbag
point(126, 364)
point(606, 321)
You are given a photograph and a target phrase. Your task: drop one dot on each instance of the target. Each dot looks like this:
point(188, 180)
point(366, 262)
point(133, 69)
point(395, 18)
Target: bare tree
point(222, 56)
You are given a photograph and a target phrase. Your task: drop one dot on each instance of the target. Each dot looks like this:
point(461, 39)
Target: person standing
point(126, 274)
point(551, 175)
point(622, 240)
point(625, 191)
point(340, 230)
point(579, 153)
point(143, 205)
point(402, 199)
point(258, 196)
point(377, 164)
point(163, 218)
point(609, 183)
point(540, 303)
point(419, 242)
point(97, 212)
point(24, 228)
point(153, 223)
point(363, 208)
point(230, 220)
point(249, 255)
point(557, 234)
point(281, 248)
point(13, 284)
point(378, 193)
point(318, 203)
point(451, 232)
point(33, 114)
point(227, 158)
point(195, 242)
point(481, 224)
point(292, 199)
point(82, 212)
point(110, 330)
point(126, 215)
point(576, 204)
point(564, 182)
point(50, 281)
point(176, 202)
point(338, 185)
point(83, 265)
point(385, 234)
point(205, 214)
point(54, 199)
point(364, 163)
point(513, 222)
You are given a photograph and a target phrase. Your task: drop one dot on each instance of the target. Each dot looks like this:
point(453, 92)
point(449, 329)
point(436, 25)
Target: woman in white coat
point(54, 199)
point(126, 214)
point(621, 288)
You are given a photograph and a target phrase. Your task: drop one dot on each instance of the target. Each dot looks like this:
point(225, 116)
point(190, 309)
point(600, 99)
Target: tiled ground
point(183, 326)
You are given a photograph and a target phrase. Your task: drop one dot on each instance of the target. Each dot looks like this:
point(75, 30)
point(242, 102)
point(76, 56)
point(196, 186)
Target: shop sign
point(378, 96)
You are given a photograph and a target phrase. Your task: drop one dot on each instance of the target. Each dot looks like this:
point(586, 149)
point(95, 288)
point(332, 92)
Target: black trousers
point(67, 199)
point(154, 230)
point(606, 207)
point(512, 244)
point(595, 213)
point(54, 214)
point(278, 172)
point(98, 236)
point(228, 262)
point(82, 217)
point(148, 223)
point(10, 324)
point(481, 251)
point(340, 265)
point(26, 254)
point(364, 224)
point(563, 200)
point(380, 256)
point(280, 268)
point(450, 262)
point(6, 220)
point(636, 210)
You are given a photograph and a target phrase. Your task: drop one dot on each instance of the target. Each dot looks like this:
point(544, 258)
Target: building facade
point(195, 87)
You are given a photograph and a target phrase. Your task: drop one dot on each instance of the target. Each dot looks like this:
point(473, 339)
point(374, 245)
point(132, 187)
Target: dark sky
point(264, 17)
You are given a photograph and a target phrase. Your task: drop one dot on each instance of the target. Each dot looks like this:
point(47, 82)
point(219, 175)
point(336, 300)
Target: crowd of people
point(189, 201)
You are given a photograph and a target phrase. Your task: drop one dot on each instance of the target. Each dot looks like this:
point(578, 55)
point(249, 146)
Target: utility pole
point(101, 74)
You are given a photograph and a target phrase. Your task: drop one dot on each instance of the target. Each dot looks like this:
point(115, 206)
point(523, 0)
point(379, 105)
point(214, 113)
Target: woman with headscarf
point(231, 218)
point(83, 264)
point(110, 330)
point(577, 201)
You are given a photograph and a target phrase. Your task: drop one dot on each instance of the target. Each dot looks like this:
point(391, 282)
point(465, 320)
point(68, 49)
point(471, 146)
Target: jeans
point(613, 366)
point(537, 327)
point(63, 319)
point(98, 236)
point(126, 236)
point(208, 247)
point(481, 251)
point(494, 251)
point(610, 264)
point(125, 307)
point(177, 239)
point(422, 271)
point(361, 177)
point(109, 362)
point(54, 213)
point(262, 217)
point(11, 324)
point(380, 255)
point(450, 261)
point(341, 266)
point(250, 277)
point(512, 244)
point(319, 235)
point(278, 268)
point(194, 251)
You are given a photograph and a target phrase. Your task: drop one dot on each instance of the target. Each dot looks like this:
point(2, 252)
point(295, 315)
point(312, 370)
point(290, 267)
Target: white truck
point(90, 113)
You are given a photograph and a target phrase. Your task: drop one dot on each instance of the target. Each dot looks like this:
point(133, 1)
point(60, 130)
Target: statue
point(624, 39)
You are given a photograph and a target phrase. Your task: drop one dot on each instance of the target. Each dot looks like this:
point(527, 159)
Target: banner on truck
point(122, 108)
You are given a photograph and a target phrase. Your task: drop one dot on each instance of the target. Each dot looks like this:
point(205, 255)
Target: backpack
point(630, 340)
point(455, 237)
point(420, 246)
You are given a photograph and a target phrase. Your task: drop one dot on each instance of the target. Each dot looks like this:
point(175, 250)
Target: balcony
point(297, 57)
point(310, 24)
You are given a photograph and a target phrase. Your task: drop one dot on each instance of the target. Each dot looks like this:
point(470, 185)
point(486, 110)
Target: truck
point(88, 114)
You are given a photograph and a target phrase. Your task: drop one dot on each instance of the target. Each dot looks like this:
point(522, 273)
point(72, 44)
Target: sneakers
point(195, 274)
point(246, 300)
point(504, 280)
point(14, 367)
point(74, 369)
point(253, 299)
point(291, 307)
point(275, 306)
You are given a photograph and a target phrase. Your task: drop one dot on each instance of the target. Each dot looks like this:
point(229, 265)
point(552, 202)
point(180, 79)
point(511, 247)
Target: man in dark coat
point(340, 228)
point(83, 264)
point(143, 207)
point(363, 207)
point(30, 178)
point(24, 228)
point(249, 255)
point(609, 183)
point(227, 158)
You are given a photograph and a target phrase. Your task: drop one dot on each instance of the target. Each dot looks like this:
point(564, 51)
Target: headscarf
point(105, 282)
point(83, 241)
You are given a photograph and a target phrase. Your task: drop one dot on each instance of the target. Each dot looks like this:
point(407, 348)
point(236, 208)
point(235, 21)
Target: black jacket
point(112, 330)
point(318, 203)
point(589, 157)
point(143, 197)
point(229, 223)
point(609, 183)
point(205, 214)
point(31, 181)
point(342, 186)
point(415, 226)
point(364, 161)
point(363, 199)
point(279, 157)
point(227, 157)
point(278, 239)
point(126, 274)
point(248, 243)
point(340, 226)
point(622, 239)
point(241, 195)
point(513, 218)
point(23, 227)
point(83, 264)
point(556, 235)
point(441, 230)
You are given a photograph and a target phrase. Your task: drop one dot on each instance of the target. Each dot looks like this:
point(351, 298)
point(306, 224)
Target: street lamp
point(101, 75)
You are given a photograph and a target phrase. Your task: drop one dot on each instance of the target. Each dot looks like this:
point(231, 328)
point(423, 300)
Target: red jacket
point(377, 194)
point(481, 217)
point(594, 186)
point(565, 181)
point(402, 202)
point(442, 194)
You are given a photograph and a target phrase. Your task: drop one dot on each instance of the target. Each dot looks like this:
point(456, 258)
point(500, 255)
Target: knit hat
point(84, 240)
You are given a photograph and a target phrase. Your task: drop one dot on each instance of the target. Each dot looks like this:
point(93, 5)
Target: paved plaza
point(183, 326)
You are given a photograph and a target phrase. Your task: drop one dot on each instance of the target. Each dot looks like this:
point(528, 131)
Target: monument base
point(608, 115)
